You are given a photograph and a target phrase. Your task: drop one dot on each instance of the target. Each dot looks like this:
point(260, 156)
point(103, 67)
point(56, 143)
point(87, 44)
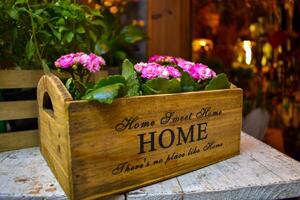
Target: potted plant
point(156, 120)
point(32, 35)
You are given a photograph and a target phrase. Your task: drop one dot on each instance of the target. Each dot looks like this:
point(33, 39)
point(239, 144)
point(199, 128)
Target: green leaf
point(132, 34)
point(127, 69)
point(92, 35)
point(45, 67)
point(111, 80)
point(62, 28)
point(133, 85)
point(188, 83)
point(69, 36)
point(57, 34)
point(38, 12)
point(80, 29)
point(218, 82)
point(99, 22)
point(29, 50)
point(21, 2)
point(105, 94)
point(96, 13)
point(61, 21)
point(161, 86)
point(13, 13)
point(132, 80)
point(120, 55)
point(101, 48)
point(69, 84)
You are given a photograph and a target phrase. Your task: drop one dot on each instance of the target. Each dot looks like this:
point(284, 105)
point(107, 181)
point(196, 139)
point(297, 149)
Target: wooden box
point(97, 149)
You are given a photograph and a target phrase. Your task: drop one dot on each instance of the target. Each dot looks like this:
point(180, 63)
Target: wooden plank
point(53, 123)
point(24, 174)
point(26, 109)
point(167, 190)
point(169, 28)
point(259, 172)
point(267, 156)
point(10, 79)
point(18, 140)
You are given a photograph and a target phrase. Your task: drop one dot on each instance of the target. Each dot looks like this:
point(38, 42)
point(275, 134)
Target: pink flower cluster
point(198, 71)
point(154, 70)
point(162, 59)
point(167, 67)
point(91, 62)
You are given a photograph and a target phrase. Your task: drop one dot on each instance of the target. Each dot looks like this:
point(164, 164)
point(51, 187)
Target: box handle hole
point(47, 104)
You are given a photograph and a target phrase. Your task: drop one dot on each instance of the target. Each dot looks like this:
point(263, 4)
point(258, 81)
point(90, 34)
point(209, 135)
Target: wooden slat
point(18, 140)
point(259, 172)
point(18, 109)
point(19, 78)
point(169, 28)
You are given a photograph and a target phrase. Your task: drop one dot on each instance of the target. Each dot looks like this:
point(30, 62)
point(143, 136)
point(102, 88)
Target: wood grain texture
point(269, 174)
point(10, 110)
point(24, 174)
point(18, 140)
point(93, 158)
point(259, 172)
point(53, 127)
point(10, 79)
point(15, 110)
point(169, 28)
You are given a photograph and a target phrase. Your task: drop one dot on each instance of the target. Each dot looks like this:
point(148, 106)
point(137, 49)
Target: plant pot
point(97, 149)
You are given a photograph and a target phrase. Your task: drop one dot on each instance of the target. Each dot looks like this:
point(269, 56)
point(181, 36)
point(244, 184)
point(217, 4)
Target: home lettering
point(133, 123)
point(168, 137)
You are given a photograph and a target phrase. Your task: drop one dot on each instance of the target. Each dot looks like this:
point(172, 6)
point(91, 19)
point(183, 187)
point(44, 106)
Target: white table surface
point(259, 172)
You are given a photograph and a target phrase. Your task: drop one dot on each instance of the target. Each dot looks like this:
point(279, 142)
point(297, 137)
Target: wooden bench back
point(15, 110)
point(24, 109)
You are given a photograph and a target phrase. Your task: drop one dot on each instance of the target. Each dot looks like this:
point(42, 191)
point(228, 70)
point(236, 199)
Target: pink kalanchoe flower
point(91, 62)
point(162, 59)
point(65, 61)
point(154, 70)
point(94, 64)
point(173, 72)
point(200, 71)
point(186, 65)
point(139, 66)
point(196, 70)
point(150, 71)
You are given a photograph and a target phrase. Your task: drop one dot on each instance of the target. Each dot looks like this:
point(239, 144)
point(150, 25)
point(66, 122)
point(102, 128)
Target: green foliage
point(161, 86)
point(107, 89)
point(218, 82)
point(132, 80)
point(188, 84)
point(131, 34)
point(117, 39)
point(127, 68)
point(111, 80)
point(105, 94)
point(35, 33)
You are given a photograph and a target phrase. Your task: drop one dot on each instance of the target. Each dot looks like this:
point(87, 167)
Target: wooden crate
point(96, 149)
point(14, 110)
